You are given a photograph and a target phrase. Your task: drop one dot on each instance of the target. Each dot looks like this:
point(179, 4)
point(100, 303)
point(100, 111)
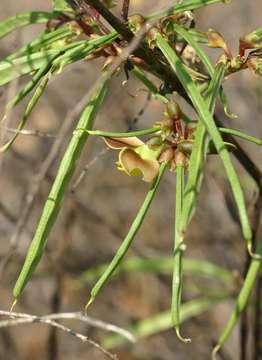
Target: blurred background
point(95, 218)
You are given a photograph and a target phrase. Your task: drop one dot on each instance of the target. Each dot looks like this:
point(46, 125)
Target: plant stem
point(125, 9)
point(122, 134)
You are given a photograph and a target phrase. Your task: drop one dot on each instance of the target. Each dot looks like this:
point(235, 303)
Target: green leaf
point(187, 35)
point(178, 249)
point(81, 50)
point(59, 187)
point(30, 85)
point(199, 36)
point(15, 22)
point(247, 287)
point(161, 265)
point(162, 322)
point(32, 103)
point(56, 60)
point(183, 6)
point(199, 153)
point(61, 5)
point(47, 40)
point(241, 135)
point(139, 74)
point(10, 70)
point(141, 132)
point(129, 237)
point(207, 119)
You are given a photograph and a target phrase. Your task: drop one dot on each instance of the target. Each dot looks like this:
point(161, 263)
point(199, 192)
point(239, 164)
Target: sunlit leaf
point(15, 22)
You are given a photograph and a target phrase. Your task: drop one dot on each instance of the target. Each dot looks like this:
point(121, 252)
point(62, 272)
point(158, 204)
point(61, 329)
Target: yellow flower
point(135, 157)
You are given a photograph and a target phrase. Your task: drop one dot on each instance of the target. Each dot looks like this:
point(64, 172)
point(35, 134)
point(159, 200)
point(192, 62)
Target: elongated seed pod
point(129, 237)
point(178, 247)
point(58, 189)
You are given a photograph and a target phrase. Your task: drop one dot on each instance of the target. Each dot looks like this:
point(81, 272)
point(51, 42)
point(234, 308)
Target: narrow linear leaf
point(141, 132)
point(242, 300)
point(30, 85)
point(185, 5)
point(139, 74)
point(200, 52)
point(161, 265)
point(162, 322)
point(199, 36)
point(10, 70)
point(32, 103)
point(15, 22)
point(66, 55)
point(45, 40)
point(129, 237)
point(82, 50)
point(178, 249)
point(56, 195)
point(207, 119)
point(186, 34)
point(33, 82)
point(241, 135)
point(199, 153)
point(61, 5)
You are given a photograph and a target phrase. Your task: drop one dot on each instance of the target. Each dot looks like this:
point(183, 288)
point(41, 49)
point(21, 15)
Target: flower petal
point(133, 164)
point(119, 143)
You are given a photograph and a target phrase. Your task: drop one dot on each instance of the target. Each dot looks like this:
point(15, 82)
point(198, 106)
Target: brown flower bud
point(166, 155)
point(216, 40)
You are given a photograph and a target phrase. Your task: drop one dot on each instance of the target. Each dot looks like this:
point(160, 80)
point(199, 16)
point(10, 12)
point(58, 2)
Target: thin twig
point(116, 23)
point(140, 113)
point(86, 168)
point(152, 58)
point(73, 316)
point(31, 133)
point(125, 9)
point(19, 319)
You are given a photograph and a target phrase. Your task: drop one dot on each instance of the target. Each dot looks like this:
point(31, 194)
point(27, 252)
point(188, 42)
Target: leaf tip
point(180, 337)
point(13, 305)
point(88, 304)
point(215, 351)
point(252, 254)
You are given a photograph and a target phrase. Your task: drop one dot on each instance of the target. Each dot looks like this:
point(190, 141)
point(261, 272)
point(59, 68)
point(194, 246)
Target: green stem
point(122, 134)
point(242, 299)
point(180, 8)
point(241, 135)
